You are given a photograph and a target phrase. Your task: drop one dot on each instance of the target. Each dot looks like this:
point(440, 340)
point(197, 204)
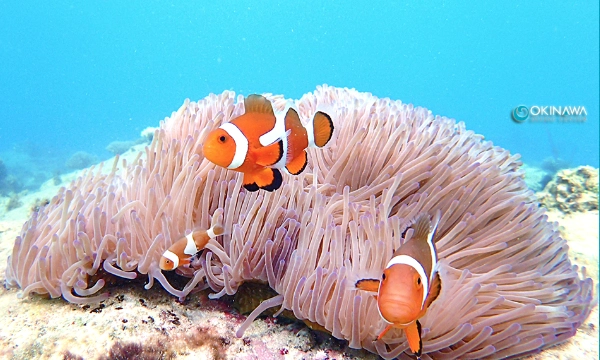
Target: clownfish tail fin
point(216, 224)
point(322, 129)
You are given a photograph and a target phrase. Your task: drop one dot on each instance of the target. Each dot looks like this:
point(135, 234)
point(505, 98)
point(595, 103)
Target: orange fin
point(323, 128)
point(298, 164)
point(384, 331)
point(269, 155)
point(434, 290)
point(258, 104)
point(249, 183)
point(268, 179)
point(298, 131)
point(413, 335)
point(371, 285)
point(292, 120)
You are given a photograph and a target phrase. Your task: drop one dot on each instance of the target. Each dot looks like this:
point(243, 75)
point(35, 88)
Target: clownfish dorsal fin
point(423, 235)
point(371, 285)
point(258, 104)
point(421, 228)
point(434, 290)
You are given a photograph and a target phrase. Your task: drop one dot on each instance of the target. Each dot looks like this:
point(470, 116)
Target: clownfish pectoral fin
point(323, 128)
point(382, 333)
point(268, 179)
point(298, 164)
point(413, 335)
point(269, 155)
point(371, 285)
point(434, 290)
point(258, 104)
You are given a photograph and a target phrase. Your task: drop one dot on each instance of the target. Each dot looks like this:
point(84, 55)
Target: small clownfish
point(409, 284)
point(258, 143)
point(182, 250)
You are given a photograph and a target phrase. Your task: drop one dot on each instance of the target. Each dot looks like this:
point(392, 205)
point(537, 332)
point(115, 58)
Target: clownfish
point(409, 284)
point(182, 250)
point(258, 143)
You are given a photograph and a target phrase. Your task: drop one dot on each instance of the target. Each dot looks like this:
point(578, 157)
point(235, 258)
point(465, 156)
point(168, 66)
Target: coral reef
point(536, 178)
point(118, 147)
point(551, 165)
point(8, 182)
point(121, 147)
point(508, 285)
point(148, 133)
point(81, 160)
point(572, 190)
point(14, 201)
point(3, 171)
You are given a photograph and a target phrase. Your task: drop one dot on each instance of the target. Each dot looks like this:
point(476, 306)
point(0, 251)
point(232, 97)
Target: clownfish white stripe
point(211, 233)
point(241, 145)
point(410, 261)
point(190, 246)
point(310, 132)
point(277, 132)
point(174, 258)
point(432, 248)
point(285, 157)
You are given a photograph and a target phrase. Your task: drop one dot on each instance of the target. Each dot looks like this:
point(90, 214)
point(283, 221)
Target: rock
point(572, 190)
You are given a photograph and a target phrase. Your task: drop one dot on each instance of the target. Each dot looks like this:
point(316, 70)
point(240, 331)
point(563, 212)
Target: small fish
point(258, 143)
point(409, 284)
point(182, 250)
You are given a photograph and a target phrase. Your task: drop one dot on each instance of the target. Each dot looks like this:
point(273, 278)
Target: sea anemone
point(508, 287)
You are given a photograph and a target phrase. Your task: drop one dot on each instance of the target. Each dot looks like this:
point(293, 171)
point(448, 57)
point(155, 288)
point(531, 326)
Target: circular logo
point(520, 113)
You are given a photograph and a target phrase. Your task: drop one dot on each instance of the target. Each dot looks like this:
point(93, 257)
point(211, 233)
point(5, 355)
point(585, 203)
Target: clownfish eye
point(383, 277)
point(419, 281)
point(222, 138)
point(168, 262)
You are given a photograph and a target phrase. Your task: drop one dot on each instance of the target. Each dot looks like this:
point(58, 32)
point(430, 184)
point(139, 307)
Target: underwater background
point(78, 76)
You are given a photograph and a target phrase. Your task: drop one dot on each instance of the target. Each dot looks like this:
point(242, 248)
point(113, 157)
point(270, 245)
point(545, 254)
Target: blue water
point(78, 76)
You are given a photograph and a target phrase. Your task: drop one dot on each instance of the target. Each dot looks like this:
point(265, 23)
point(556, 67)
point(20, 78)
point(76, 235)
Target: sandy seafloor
point(152, 324)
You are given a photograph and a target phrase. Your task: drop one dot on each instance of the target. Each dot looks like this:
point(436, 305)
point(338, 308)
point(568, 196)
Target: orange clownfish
point(258, 143)
point(182, 250)
point(409, 284)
